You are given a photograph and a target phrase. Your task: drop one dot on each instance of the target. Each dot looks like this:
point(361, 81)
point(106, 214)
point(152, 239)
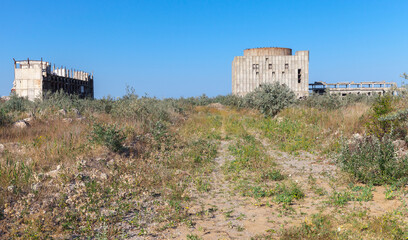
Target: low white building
point(267, 65)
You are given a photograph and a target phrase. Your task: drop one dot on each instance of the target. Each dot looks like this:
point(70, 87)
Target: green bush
point(4, 118)
point(16, 104)
point(109, 136)
point(382, 106)
point(332, 102)
point(373, 160)
point(227, 100)
point(325, 101)
point(270, 98)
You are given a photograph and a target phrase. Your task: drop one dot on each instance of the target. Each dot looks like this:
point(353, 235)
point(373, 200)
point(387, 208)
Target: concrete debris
point(76, 112)
point(11, 188)
point(36, 187)
point(111, 162)
point(54, 173)
point(80, 119)
point(104, 176)
point(67, 120)
point(63, 112)
point(21, 124)
point(399, 144)
point(357, 136)
point(28, 120)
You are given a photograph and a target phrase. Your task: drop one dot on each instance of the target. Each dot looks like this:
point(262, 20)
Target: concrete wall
point(28, 82)
point(249, 72)
point(267, 52)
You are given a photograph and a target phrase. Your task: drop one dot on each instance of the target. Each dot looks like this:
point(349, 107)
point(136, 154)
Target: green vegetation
point(374, 161)
point(4, 118)
point(109, 136)
point(322, 226)
point(270, 99)
point(144, 167)
point(354, 193)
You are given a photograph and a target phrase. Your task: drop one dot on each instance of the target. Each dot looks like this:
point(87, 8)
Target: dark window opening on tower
point(269, 66)
point(299, 75)
point(286, 65)
point(257, 73)
point(273, 74)
point(266, 59)
point(255, 66)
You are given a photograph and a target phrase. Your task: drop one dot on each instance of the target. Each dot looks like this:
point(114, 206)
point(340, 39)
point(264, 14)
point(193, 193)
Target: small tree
point(270, 98)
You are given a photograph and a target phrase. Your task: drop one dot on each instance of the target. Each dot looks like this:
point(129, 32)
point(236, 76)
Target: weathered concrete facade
point(33, 78)
point(345, 88)
point(267, 65)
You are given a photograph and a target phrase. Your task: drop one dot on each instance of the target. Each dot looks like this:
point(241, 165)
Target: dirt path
point(223, 214)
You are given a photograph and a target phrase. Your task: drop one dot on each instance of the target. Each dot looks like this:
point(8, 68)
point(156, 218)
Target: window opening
point(299, 75)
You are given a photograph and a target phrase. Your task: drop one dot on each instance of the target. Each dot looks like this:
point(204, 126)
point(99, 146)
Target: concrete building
point(33, 78)
point(345, 88)
point(267, 65)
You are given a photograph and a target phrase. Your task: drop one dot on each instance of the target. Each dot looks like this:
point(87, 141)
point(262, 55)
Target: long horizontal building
point(33, 78)
point(267, 65)
point(345, 88)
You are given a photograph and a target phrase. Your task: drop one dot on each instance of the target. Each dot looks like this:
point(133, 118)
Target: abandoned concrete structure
point(345, 88)
point(266, 65)
point(33, 78)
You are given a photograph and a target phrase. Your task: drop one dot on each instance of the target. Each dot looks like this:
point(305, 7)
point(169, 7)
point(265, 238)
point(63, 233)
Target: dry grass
point(346, 120)
point(55, 183)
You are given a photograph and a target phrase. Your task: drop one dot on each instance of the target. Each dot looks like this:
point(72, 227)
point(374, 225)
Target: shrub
point(274, 175)
point(381, 107)
point(373, 160)
point(270, 98)
point(109, 136)
point(333, 102)
point(4, 118)
point(325, 101)
point(16, 103)
point(286, 194)
point(229, 100)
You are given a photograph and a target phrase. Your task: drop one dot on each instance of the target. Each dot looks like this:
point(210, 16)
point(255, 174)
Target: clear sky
point(185, 48)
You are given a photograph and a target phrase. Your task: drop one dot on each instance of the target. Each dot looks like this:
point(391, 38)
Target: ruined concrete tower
point(33, 78)
point(267, 65)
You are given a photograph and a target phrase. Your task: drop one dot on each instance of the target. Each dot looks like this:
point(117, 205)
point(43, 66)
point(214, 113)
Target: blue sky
point(185, 48)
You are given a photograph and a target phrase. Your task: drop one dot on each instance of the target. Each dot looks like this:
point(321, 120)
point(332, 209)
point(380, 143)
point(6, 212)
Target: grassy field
point(144, 168)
